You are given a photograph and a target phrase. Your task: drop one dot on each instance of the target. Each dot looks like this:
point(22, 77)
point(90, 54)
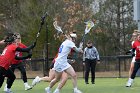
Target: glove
point(29, 54)
point(33, 45)
point(128, 52)
point(81, 45)
point(133, 54)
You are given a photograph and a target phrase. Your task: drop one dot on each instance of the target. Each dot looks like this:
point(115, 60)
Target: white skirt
point(133, 59)
point(61, 66)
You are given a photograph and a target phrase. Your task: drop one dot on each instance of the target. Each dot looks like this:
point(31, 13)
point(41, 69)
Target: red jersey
point(8, 55)
point(18, 54)
point(55, 58)
point(136, 45)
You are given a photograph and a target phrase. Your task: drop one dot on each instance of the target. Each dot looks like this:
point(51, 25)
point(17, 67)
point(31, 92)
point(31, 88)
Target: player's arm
point(2, 42)
point(79, 49)
point(133, 49)
point(26, 49)
point(133, 52)
point(24, 57)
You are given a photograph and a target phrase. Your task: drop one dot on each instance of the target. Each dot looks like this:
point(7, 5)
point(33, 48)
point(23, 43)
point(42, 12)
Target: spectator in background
point(90, 58)
point(134, 35)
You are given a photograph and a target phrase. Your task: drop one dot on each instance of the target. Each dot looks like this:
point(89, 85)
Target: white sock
point(57, 89)
point(75, 88)
point(8, 89)
point(25, 84)
point(131, 79)
point(39, 79)
point(49, 88)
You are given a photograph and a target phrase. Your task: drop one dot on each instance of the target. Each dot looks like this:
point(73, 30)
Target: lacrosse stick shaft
point(38, 33)
point(41, 25)
point(66, 35)
point(83, 38)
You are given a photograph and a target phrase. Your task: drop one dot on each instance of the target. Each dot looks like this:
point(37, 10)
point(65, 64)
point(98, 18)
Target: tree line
point(111, 34)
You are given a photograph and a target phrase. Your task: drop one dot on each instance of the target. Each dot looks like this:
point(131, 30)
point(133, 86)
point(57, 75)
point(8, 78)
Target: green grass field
point(103, 85)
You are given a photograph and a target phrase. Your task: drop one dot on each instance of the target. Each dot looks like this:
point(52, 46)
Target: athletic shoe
point(56, 91)
point(8, 91)
point(27, 87)
point(129, 83)
point(93, 82)
point(35, 81)
point(5, 88)
point(47, 90)
point(86, 83)
point(77, 91)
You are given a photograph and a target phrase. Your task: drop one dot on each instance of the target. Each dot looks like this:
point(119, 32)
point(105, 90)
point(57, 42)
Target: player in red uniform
point(7, 56)
point(18, 64)
point(135, 47)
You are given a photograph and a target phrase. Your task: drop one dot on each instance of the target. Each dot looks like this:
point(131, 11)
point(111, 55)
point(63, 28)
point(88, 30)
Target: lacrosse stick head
point(57, 27)
point(89, 25)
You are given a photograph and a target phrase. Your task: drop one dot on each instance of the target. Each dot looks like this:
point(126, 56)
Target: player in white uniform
point(61, 64)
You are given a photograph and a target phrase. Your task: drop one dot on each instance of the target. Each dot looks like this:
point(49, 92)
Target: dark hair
point(89, 42)
point(10, 38)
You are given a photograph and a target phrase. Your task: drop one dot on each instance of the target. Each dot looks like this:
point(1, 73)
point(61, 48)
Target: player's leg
point(12, 67)
point(53, 82)
point(63, 81)
point(87, 70)
point(128, 84)
point(11, 78)
point(46, 78)
point(131, 69)
point(93, 66)
point(2, 71)
point(50, 77)
point(130, 81)
point(22, 69)
point(73, 75)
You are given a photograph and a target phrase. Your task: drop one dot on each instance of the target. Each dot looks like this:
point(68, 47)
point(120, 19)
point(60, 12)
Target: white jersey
point(64, 50)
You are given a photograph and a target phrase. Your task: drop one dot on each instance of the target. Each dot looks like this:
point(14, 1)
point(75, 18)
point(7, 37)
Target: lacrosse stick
point(41, 25)
point(37, 35)
point(89, 25)
point(58, 28)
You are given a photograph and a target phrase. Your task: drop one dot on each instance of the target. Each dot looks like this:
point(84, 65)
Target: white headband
point(73, 35)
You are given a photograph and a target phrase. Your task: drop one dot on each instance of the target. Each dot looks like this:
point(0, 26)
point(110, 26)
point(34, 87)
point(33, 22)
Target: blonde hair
point(134, 35)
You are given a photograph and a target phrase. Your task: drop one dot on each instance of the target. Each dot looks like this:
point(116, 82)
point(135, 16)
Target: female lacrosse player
point(135, 47)
point(7, 56)
point(17, 64)
point(51, 76)
point(134, 35)
point(61, 63)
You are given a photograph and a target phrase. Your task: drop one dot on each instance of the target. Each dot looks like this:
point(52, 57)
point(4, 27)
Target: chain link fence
point(110, 66)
